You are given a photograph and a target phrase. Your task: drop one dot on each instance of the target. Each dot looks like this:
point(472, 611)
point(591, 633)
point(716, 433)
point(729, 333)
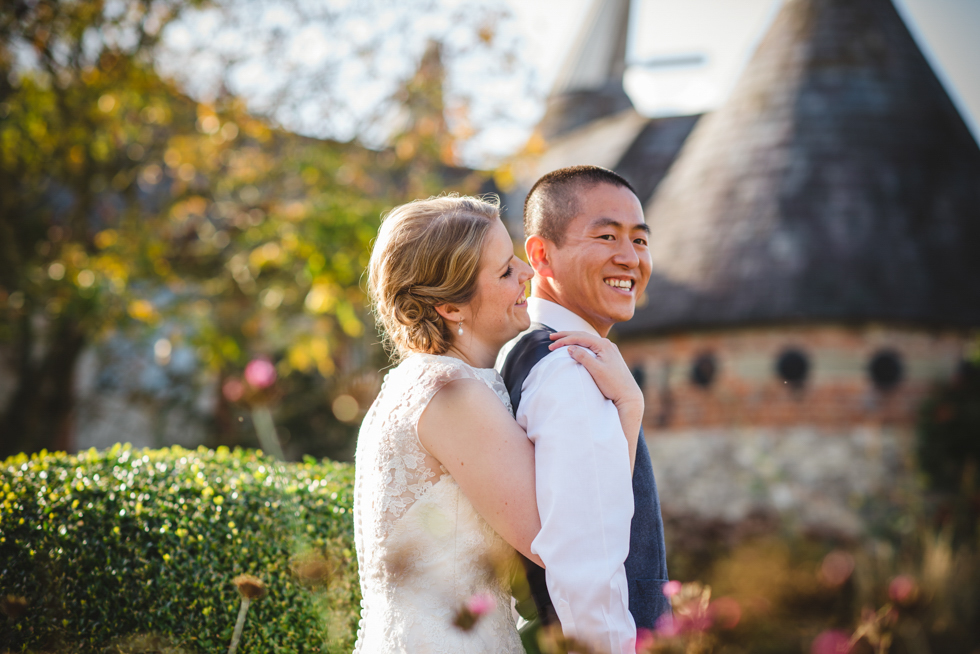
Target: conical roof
point(590, 83)
point(838, 183)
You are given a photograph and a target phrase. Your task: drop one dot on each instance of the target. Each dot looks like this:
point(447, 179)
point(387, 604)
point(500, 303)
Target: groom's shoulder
point(527, 348)
point(520, 356)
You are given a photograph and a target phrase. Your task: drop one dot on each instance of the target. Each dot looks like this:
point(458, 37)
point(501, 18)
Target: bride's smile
point(498, 310)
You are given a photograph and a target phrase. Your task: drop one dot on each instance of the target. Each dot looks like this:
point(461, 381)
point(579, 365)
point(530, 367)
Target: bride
point(444, 487)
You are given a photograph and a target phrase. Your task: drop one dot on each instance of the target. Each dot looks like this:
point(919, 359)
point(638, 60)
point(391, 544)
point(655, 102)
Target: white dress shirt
point(584, 490)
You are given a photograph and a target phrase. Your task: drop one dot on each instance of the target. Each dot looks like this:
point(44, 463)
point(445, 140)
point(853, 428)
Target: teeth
point(620, 283)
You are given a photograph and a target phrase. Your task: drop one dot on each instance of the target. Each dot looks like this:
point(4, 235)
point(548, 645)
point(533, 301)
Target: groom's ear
point(538, 251)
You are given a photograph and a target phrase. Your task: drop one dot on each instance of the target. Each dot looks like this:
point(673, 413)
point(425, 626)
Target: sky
point(726, 33)
point(505, 103)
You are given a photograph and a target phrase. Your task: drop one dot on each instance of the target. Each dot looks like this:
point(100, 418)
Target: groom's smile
point(623, 284)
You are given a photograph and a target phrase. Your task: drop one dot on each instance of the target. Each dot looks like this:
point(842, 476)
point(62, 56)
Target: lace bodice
point(422, 548)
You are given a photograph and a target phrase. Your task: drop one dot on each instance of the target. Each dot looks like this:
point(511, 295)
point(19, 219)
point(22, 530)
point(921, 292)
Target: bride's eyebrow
point(506, 263)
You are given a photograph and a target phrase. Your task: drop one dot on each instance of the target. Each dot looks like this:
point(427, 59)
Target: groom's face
point(604, 261)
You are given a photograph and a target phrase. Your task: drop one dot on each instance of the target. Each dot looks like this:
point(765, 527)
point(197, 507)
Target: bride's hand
point(607, 367)
point(611, 375)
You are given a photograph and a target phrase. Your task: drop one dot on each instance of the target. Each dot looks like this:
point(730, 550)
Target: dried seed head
point(13, 606)
point(249, 587)
point(311, 568)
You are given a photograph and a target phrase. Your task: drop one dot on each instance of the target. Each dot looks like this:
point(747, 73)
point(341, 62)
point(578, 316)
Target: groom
point(601, 537)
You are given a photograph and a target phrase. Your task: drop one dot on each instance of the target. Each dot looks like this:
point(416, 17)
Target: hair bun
point(423, 329)
point(427, 254)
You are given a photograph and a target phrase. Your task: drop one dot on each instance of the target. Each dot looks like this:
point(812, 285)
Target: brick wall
point(748, 391)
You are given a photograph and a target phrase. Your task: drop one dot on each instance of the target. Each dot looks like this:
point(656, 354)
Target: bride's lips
point(522, 299)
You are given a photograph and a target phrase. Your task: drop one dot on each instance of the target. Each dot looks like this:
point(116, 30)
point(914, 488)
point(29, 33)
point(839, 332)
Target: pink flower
point(481, 604)
point(644, 640)
point(726, 612)
point(260, 373)
point(472, 610)
point(667, 626)
point(831, 641)
point(671, 588)
point(233, 389)
point(902, 589)
point(836, 568)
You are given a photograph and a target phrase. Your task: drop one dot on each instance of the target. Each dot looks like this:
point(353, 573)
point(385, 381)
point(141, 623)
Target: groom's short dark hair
point(554, 199)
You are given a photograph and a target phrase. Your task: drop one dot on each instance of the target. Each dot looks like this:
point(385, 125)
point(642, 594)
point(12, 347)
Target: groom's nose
point(626, 254)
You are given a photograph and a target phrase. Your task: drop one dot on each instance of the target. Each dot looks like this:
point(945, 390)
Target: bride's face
point(498, 311)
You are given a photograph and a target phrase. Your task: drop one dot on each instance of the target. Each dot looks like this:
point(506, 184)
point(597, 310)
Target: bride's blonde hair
point(427, 253)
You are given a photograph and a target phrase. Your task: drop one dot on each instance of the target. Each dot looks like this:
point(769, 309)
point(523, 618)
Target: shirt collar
point(557, 317)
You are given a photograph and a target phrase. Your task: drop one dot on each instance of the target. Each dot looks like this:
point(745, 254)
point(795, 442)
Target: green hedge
point(126, 547)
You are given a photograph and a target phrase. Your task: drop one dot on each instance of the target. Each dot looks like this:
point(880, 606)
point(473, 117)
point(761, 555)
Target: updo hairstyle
point(427, 253)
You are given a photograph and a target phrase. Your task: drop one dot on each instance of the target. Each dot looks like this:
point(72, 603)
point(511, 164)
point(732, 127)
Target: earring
point(460, 330)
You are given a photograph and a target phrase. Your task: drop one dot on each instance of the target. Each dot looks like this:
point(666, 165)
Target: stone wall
point(122, 395)
point(813, 478)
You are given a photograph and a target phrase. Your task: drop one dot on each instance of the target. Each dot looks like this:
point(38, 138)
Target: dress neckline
point(452, 358)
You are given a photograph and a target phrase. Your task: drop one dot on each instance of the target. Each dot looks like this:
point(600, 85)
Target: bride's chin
point(512, 332)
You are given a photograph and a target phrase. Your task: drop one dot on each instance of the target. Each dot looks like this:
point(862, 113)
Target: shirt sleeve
point(585, 500)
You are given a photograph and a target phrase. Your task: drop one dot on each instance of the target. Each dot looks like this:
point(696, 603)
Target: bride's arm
point(611, 375)
point(469, 430)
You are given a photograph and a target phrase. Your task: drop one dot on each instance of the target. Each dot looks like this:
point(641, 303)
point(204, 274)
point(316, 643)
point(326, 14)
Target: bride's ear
point(449, 312)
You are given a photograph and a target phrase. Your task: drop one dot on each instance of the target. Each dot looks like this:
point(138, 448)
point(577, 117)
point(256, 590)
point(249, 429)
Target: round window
point(793, 366)
point(885, 369)
point(703, 369)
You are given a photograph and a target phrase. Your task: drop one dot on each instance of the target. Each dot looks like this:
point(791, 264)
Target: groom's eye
point(608, 237)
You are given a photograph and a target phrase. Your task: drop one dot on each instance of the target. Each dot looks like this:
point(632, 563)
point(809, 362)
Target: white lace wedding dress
point(423, 550)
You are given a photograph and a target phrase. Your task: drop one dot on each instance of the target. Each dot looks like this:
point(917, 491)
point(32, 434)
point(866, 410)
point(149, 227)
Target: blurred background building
point(815, 247)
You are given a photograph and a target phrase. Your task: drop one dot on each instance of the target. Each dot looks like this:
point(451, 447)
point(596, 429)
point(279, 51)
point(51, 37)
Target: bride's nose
point(524, 271)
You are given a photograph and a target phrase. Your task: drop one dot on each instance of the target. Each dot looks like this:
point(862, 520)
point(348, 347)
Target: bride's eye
point(510, 271)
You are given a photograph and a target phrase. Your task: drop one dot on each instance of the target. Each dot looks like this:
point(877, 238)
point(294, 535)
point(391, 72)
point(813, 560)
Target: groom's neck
point(546, 291)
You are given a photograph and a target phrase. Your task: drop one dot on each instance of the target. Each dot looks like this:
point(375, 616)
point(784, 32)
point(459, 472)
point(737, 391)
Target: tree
point(127, 205)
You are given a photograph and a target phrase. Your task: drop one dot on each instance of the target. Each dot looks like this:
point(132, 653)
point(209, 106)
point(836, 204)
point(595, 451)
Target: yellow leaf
point(106, 238)
point(320, 299)
point(299, 358)
point(142, 310)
